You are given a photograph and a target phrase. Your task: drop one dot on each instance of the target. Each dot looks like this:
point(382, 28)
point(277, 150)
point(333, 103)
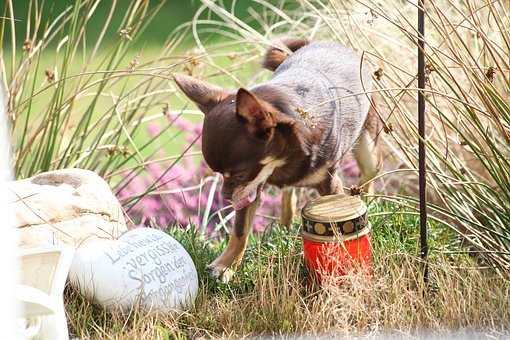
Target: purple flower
point(350, 168)
point(176, 204)
point(182, 123)
point(153, 129)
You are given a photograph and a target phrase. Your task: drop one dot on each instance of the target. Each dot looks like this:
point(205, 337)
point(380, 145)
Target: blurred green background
point(172, 14)
point(145, 48)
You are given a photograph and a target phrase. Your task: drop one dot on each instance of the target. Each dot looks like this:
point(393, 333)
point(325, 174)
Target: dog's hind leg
point(366, 151)
point(223, 267)
point(275, 56)
point(289, 202)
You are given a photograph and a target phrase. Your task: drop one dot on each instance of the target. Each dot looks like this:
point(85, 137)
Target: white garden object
point(67, 206)
point(8, 305)
point(144, 267)
point(43, 274)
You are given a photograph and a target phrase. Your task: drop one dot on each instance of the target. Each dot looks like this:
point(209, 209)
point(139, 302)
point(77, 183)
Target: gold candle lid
point(334, 215)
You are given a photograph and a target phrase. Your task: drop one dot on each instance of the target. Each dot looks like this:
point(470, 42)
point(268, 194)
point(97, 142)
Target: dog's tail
point(276, 55)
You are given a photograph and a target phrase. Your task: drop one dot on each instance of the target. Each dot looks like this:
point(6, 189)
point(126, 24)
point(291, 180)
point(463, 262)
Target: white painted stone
point(145, 266)
point(69, 206)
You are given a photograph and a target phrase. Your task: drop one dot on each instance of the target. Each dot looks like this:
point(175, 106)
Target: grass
point(270, 295)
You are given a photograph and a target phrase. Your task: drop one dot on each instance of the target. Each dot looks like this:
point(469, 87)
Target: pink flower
point(153, 129)
point(181, 208)
point(182, 124)
point(350, 168)
point(151, 205)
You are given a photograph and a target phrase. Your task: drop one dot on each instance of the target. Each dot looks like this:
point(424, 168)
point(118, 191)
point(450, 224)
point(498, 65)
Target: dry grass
point(395, 299)
point(271, 296)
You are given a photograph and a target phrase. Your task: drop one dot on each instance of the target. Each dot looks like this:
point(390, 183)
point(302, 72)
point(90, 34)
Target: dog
point(290, 131)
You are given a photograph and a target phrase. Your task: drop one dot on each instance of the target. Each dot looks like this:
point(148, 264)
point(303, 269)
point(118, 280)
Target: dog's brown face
point(229, 149)
point(243, 137)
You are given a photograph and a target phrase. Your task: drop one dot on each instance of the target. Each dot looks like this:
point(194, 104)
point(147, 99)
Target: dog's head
point(244, 137)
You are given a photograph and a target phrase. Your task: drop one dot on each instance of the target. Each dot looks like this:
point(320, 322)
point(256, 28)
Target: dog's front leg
point(223, 267)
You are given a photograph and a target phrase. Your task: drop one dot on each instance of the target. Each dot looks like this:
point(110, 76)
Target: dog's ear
point(258, 116)
point(205, 95)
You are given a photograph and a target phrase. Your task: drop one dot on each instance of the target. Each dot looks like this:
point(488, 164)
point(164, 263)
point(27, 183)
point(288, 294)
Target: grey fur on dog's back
point(327, 81)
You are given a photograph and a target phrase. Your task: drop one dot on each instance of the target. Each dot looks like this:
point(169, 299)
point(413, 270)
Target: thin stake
point(424, 249)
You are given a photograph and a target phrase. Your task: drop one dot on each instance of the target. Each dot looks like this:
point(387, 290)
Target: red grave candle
point(336, 236)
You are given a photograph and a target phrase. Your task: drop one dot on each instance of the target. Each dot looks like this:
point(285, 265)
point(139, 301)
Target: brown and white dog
point(291, 131)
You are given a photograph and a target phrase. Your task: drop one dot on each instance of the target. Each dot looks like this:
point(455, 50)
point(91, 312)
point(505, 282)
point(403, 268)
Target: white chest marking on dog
point(268, 160)
point(270, 164)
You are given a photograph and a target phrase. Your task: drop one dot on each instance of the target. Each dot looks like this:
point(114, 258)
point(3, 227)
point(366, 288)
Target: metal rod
point(421, 143)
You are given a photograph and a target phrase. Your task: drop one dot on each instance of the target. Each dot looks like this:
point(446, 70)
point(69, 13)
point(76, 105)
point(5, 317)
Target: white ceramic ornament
point(144, 266)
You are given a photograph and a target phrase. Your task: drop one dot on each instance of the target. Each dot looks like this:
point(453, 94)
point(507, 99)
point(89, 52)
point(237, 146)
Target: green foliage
point(396, 230)
point(173, 14)
point(276, 243)
point(75, 103)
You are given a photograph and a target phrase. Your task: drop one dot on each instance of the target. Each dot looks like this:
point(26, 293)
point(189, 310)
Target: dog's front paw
point(220, 273)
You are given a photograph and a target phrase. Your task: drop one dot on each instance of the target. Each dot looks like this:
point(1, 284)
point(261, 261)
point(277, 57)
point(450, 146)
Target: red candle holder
point(336, 236)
